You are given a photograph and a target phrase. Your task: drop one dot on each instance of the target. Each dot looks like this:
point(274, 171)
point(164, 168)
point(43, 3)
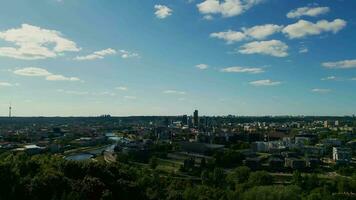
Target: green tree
point(153, 162)
point(260, 178)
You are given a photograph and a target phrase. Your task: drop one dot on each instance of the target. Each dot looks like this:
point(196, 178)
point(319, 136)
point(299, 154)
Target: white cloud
point(72, 92)
point(304, 28)
point(229, 36)
point(40, 72)
point(5, 84)
point(105, 93)
point(255, 32)
point(174, 92)
point(307, 11)
point(250, 70)
point(321, 90)
point(227, 8)
point(329, 78)
point(97, 54)
point(202, 66)
point(343, 64)
point(122, 88)
point(272, 47)
point(127, 54)
point(303, 49)
point(130, 97)
point(262, 31)
point(265, 82)
point(353, 79)
point(162, 11)
point(208, 17)
point(32, 43)
point(57, 77)
point(32, 71)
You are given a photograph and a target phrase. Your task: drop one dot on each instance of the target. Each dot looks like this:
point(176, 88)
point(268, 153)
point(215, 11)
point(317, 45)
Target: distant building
point(341, 155)
point(196, 119)
point(313, 162)
point(332, 142)
point(295, 163)
point(32, 149)
point(305, 139)
point(336, 123)
point(259, 146)
point(185, 120)
point(325, 124)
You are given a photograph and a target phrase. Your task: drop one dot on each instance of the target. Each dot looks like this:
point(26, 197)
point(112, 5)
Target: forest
point(52, 177)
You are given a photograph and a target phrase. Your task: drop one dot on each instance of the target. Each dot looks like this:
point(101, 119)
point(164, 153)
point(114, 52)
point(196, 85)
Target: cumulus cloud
point(97, 54)
point(329, 78)
point(32, 43)
point(208, 17)
point(226, 8)
point(249, 70)
point(256, 32)
point(5, 84)
point(304, 28)
point(202, 66)
point(162, 11)
point(272, 47)
point(321, 90)
point(343, 64)
point(266, 82)
point(174, 92)
point(106, 52)
point(40, 72)
point(76, 92)
point(122, 88)
point(262, 31)
point(127, 54)
point(303, 49)
point(307, 11)
point(229, 36)
point(73, 92)
point(56, 77)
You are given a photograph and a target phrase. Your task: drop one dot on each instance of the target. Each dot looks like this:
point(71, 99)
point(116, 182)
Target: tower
point(196, 119)
point(10, 110)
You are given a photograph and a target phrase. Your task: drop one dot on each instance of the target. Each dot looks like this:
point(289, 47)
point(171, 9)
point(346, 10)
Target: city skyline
point(256, 58)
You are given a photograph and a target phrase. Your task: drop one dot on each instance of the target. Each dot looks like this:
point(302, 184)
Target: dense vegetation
point(51, 178)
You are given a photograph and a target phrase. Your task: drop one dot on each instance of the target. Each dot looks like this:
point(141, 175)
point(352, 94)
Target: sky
point(169, 57)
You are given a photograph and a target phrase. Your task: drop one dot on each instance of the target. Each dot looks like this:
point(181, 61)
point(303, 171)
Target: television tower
point(10, 110)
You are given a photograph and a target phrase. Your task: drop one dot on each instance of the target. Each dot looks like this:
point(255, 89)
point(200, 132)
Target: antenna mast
point(10, 110)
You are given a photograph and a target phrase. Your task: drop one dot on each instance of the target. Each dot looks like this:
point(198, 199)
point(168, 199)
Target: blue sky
point(164, 57)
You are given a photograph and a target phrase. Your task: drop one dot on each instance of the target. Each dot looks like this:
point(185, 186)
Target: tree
point(239, 175)
point(260, 178)
point(273, 193)
point(297, 178)
point(153, 162)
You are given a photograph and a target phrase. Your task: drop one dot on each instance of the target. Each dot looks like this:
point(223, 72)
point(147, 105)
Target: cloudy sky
point(164, 57)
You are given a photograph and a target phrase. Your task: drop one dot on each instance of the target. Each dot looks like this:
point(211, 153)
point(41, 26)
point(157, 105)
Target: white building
point(341, 154)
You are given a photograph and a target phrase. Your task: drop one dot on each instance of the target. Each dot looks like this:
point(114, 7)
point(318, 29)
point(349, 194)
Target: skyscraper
point(185, 120)
point(196, 119)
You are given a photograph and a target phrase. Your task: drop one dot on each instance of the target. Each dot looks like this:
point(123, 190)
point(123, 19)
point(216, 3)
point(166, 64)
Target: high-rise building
point(185, 120)
point(196, 119)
